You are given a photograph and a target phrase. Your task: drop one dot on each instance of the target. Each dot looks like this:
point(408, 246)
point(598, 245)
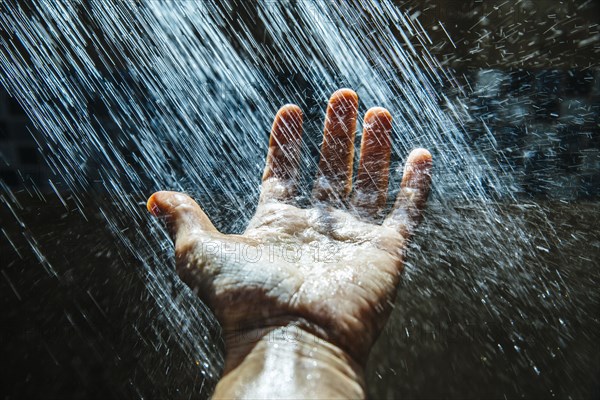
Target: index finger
point(281, 169)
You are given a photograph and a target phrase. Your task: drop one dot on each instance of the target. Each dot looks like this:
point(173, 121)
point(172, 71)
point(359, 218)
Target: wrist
point(286, 360)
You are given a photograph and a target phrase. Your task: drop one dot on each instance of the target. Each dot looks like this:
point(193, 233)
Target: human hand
point(331, 270)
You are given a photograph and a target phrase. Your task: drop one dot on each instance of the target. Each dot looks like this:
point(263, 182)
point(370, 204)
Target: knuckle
point(183, 248)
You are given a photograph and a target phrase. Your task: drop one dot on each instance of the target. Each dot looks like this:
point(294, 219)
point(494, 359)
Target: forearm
point(287, 362)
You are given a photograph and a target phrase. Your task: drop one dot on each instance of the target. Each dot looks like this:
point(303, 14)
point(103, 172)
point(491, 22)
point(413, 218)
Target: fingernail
point(153, 208)
point(156, 211)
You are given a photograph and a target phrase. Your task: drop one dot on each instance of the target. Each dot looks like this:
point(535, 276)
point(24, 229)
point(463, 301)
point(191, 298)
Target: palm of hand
point(332, 269)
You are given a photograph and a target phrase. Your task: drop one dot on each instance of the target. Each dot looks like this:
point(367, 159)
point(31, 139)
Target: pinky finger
point(416, 184)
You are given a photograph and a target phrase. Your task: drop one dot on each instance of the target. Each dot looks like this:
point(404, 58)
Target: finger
point(370, 188)
point(182, 215)
point(281, 170)
point(410, 203)
point(334, 177)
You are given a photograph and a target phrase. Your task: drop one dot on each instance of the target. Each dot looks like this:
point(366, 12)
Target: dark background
point(67, 335)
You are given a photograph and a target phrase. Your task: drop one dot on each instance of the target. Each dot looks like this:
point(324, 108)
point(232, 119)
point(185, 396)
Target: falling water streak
point(182, 94)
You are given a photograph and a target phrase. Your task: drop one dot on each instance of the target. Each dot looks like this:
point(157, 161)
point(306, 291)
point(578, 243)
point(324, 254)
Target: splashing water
point(191, 92)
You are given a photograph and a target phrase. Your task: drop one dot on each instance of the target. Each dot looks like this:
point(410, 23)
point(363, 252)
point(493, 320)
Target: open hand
point(332, 269)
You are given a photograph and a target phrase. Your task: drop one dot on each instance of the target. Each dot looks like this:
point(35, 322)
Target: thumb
point(180, 212)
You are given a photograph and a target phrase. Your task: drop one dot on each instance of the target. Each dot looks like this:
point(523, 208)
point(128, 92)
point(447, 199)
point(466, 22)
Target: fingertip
point(420, 156)
point(180, 212)
point(378, 114)
point(289, 114)
point(344, 96)
point(152, 205)
point(378, 121)
point(287, 125)
point(417, 171)
point(163, 202)
point(289, 109)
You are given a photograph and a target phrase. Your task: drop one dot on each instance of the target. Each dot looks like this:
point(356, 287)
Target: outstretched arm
point(287, 361)
point(302, 294)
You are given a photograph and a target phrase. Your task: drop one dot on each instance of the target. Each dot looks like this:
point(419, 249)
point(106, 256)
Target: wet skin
point(302, 294)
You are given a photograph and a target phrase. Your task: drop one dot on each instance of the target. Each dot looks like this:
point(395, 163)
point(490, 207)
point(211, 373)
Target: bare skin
point(302, 294)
